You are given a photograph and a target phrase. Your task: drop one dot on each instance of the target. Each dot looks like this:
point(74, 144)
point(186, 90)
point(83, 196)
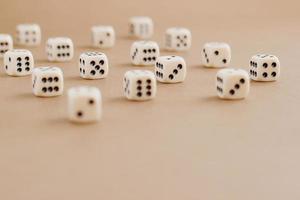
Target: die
point(139, 85)
point(93, 65)
point(264, 67)
point(232, 84)
point(59, 49)
point(6, 43)
point(18, 62)
point(47, 81)
point(144, 52)
point(178, 39)
point(170, 69)
point(103, 36)
point(84, 104)
point(141, 27)
point(28, 34)
point(216, 55)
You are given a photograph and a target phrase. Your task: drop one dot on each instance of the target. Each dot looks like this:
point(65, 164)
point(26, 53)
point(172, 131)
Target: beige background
point(186, 144)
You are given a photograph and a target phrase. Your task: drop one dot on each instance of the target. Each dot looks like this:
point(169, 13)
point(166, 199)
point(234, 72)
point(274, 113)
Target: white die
point(47, 81)
point(216, 55)
point(28, 34)
point(84, 104)
point(264, 67)
point(6, 43)
point(103, 36)
point(141, 27)
point(144, 52)
point(93, 65)
point(139, 85)
point(232, 84)
point(170, 69)
point(59, 49)
point(18, 62)
point(178, 39)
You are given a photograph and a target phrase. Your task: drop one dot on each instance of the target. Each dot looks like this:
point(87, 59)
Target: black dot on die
point(91, 101)
point(19, 70)
point(27, 63)
point(44, 89)
point(56, 89)
point(139, 88)
point(242, 81)
point(179, 66)
point(148, 81)
point(274, 64)
point(265, 65)
point(101, 62)
point(56, 78)
point(19, 59)
point(265, 74)
point(224, 61)
point(139, 82)
point(139, 94)
point(50, 89)
point(171, 76)
point(216, 53)
point(27, 58)
point(19, 64)
point(175, 71)
point(27, 69)
point(97, 67)
point(92, 63)
point(237, 86)
point(50, 79)
point(93, 72)
point(102, 71)
point(273, 74)
point(79, 114)
point(149, 87)
point(44, 80)
point(148, 93)
point(232, 92)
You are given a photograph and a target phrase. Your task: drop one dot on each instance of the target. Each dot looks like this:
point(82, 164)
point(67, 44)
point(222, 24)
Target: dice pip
point(28, 34)
point(93, 65)
point(59, 49)
point(139, 85)
point(6, 43)
point(103, 36)
point(232, 84)
point(84, 104)
point(18, 62)
point(264, 67)
point(170, 69)
point(144, 52)
point(47, 81)
point(141, 27)
point(178, 39)
point(216, 55)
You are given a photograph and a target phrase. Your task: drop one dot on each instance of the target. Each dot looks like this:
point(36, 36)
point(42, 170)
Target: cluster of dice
point(85, 103)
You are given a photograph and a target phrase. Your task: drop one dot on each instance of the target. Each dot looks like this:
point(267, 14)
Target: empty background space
point(186, 143)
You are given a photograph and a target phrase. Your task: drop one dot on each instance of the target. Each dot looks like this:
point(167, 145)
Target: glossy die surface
point(141, 27)
point(178, 39)
point(59, 49)
point(47, 81)
point(144, 52)
point(232, 84)
point(84, 104)
point(18, 62)
point(93, 65)
point(139, 85)
point(6, 43)
point(216, 55)
point(264, 67)
point(103, 36)
point(170, 69)
point(28, 34)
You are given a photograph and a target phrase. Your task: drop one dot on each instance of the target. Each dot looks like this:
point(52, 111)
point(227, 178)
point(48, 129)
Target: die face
point(103, 36)
point(141, 27)
point(93, 65)
point(60, 49)
point(47, 81)
point(178, 39)
point(170, 69)
point(264, 67)
point(28, 34)
point(84, 104)
point(18, 62)
point(144, 53)
point(6, 44)
point(232, 84)
point(216, 55)
point(139, 85)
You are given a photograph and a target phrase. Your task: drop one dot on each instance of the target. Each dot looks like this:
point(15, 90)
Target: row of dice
point(262, 67)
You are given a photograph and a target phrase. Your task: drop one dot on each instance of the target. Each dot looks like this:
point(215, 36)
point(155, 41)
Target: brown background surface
point(186, 144)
